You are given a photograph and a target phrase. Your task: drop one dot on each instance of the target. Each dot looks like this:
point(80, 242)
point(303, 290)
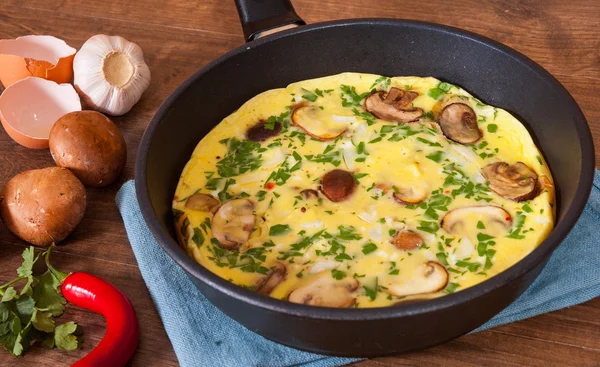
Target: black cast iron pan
point(493, 72)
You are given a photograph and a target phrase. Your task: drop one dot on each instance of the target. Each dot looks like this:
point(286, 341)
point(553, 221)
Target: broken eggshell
point(39, 56)
point(30, 107)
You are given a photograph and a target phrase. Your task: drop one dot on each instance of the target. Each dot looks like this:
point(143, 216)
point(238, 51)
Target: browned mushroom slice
point(490, 214)
point(272, 279)
point(517, 182)
point(181, 229)
point(405, 240)
point(429, 278)
point(393, 105)
point(326, 292)
point(232, 224)
point(263, 131)
point(202, 202)
point(409, 195)
point(459, 123)
point(317, 123)
point(309, 193)
point(337, 185)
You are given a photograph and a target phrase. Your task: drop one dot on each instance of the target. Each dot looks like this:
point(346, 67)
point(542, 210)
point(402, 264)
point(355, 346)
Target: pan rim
point(529, 262)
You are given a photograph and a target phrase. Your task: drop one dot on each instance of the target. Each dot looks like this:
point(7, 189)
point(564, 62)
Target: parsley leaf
point(63, 336)
point(279, 229)
point(368, 248)
point(338, 274)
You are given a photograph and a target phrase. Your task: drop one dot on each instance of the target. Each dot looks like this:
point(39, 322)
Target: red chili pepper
point(122, 330)
point(270, 185)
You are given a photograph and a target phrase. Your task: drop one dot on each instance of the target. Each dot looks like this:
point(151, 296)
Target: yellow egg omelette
point(358, 190)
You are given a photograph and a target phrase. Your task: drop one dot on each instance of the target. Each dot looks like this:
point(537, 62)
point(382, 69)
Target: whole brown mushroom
point(90, 145)
point(43, 206)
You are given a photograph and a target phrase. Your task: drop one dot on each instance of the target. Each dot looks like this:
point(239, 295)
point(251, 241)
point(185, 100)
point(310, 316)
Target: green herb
point(436, 156)
point(480, 225)
point(358, 176)
point(471, 266)
point(492, 128)
point(372, 292)
point(430, 143)
point(368, 248)
point(309, 96)
point(482, 119)
point(350, 98)
point(328, 156)
point(261, 195)
point(360, 148)
point(348, 233)
point(28, 315)
point(527, 208)
point(435, 93)
point(481, 237)
point(430, 227)
point(539, 159)
point(517, 226)
point(367, 116)
point(451, 287)
point(382, 82)
point(223, 194)
point(270, 125)
point(338, 274)
point(240, 158)
point(429, 115)
point(198, 237)
point(279, 229)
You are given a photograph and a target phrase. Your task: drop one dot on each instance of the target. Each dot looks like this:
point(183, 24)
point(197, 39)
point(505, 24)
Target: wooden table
point(179, 36)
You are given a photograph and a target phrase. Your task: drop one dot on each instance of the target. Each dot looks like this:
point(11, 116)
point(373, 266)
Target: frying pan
point(493, 72)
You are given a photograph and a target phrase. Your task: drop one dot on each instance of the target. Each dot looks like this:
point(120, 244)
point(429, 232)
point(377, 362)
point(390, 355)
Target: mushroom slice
point(458, 122)
point(272, 279)
point(429, 278)
point(326, 292)
point(202, 202)
point(405, 240)
point(317, 123)
point(337, 185)
point(409, 195)
point(493, 214)
point(309, 193)
point(517, 182)
point(393, 105)
point(232, 224)
point(181, 230)
point(261, 131)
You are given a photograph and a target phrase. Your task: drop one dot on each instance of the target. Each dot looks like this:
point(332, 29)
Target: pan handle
point(261, 17)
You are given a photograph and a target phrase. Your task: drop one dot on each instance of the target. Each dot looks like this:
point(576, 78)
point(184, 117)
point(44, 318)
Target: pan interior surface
point(493, 73)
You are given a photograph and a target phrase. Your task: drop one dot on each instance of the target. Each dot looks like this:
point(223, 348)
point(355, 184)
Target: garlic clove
point(111, 74)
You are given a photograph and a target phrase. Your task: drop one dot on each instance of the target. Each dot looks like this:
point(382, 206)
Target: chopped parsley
point(338, 274)
point(279, 229)
point(350, 98)
point(240, 158)
point(492, 128)
point(368, 248)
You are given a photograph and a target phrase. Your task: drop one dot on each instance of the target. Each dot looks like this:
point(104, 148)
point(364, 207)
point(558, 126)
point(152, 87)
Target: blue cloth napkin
point(203, 336)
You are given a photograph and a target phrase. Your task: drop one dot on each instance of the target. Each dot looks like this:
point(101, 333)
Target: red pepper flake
point(303, 210)
point(270, 185)
point(508, 219)
point(447, 192)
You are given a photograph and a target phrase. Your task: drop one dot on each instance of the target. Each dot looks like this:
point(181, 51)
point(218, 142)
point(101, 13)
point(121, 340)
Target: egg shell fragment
point(30, 107)
point(40, 56)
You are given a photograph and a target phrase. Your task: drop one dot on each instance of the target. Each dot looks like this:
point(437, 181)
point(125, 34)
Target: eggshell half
point(41, 56)
point(30, 107)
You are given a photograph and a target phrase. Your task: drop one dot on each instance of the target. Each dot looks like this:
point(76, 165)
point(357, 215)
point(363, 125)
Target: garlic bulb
point(110, 74)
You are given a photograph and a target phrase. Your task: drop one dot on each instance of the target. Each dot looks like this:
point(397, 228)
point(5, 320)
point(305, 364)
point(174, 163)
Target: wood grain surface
point(179, 36)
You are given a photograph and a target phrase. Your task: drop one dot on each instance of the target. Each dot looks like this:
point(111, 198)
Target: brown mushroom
point(261, 132)
point(337, 185)
point(409, 195)
point(181, 229)
point(393, 105)
point(203, 203)
point(317, 123)
point(232, 224)
point(309, 193)
point(429, 278)
point(272, 279)
point(517, 182)
point(493, 214)
point(405, 240)
point(326, 292)
point(458, 122)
